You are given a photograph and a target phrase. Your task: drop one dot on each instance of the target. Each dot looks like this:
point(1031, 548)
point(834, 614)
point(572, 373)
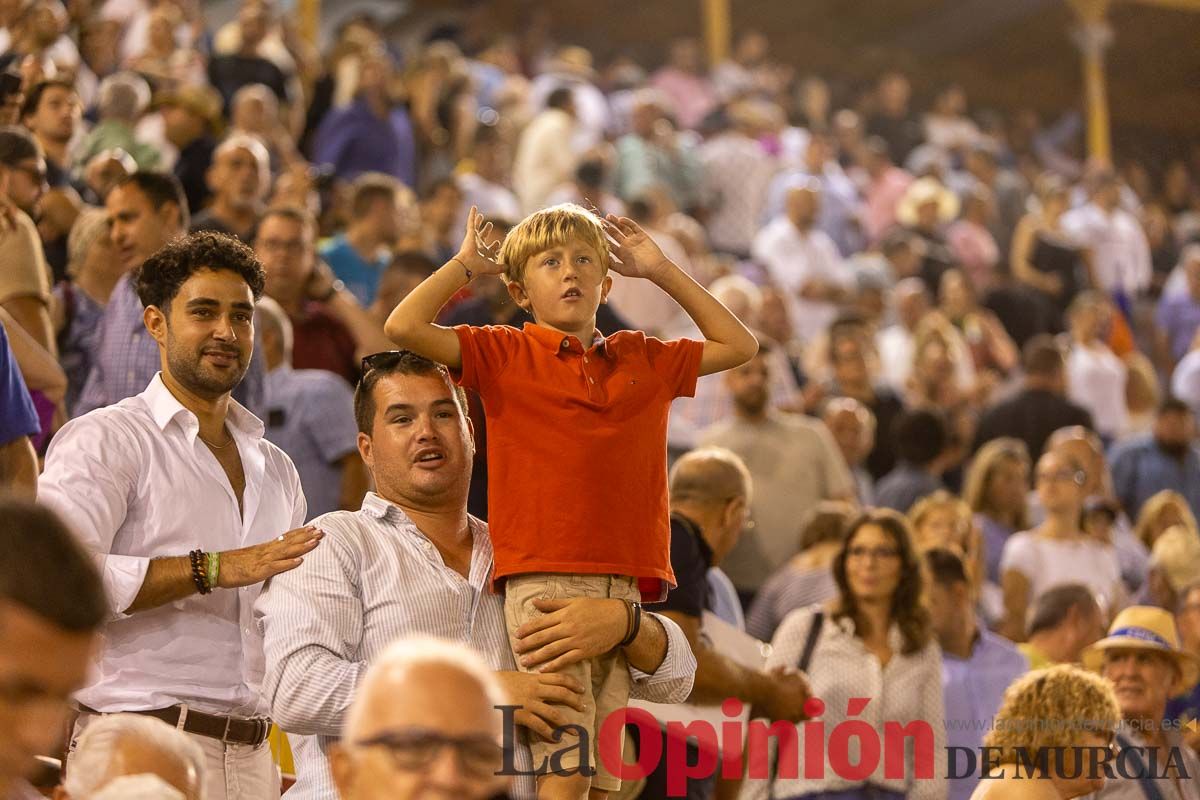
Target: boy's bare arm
point(727, 341)
point(411, 325)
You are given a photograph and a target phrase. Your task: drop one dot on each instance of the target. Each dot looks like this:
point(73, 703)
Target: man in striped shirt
point(412, 561)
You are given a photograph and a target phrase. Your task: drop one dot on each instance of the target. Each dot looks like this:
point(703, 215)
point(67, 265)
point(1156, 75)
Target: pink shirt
point(882, 196)
point(975, 248)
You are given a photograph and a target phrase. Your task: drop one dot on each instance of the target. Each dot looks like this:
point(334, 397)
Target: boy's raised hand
point(637, 256)
point(476, 256)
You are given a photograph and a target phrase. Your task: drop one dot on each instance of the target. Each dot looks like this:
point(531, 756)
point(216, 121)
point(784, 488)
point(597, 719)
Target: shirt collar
point(165, 407)
point(555, 341)
point(705, 551)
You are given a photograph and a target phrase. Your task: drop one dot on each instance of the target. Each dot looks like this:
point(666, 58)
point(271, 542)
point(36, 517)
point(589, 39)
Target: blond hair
point(1052, 707)
point(551, 227)
point(981, 471)
point(1147, 519)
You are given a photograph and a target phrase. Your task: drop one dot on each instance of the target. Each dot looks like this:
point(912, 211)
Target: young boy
point(576, 429)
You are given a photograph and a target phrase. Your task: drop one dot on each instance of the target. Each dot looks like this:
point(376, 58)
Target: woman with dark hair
point(874, 641)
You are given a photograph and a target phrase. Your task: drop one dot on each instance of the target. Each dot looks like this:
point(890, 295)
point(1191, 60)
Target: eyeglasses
point(275, 245)
point(1063, 476)
point(415, 749)
point(878, 553)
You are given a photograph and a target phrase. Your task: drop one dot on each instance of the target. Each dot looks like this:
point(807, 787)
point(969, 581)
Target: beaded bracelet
point(198, 576)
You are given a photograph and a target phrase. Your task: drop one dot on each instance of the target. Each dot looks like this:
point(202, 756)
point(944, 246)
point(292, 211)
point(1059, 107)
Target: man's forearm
point(19, 468)
point(648, 651)
point(719, 678)
point(167, 580)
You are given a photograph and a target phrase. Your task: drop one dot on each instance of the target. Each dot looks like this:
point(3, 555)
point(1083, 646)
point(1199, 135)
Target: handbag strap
point(810, 644)
point(1145, 781)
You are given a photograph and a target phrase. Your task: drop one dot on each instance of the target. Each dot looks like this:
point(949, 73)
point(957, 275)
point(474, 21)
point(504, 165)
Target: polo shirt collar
point(705, 551)
point(555, 341)
point(165, 407)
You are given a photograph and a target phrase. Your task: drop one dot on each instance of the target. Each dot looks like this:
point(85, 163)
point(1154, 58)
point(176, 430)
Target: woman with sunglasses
point(1057, 551)
point(874, 642)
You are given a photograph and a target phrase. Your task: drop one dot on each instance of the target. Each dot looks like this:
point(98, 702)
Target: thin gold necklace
point(216, 446)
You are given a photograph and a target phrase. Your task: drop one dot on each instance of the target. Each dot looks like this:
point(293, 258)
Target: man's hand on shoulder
point(255, 564)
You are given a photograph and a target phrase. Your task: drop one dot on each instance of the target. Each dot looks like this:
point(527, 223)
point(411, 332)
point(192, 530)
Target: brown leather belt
point(231, 730)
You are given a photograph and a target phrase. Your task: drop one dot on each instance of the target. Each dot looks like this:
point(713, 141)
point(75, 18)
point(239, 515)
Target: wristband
point(213, 566)
point(198, 576)
point(635, 612)
point(470, 275)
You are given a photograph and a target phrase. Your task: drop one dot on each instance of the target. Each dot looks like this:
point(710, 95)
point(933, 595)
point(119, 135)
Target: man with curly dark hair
point(183, 467)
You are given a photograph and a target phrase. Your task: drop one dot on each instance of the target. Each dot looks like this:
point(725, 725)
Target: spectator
point(921, 440)
point(405, 273)
point(840, 208)
point(373, 134)
point(655, 155)
point(1163, 510)
point(852, 426)
point(25, 279)
point(191, 118)
point(1095, 375)
point(378, 206)
point(588, 188)
point(804, 262)
point(977, 665)
point(794, 462)
point(228, 72)
point(892, 120)
point(1041, 713)
point(401, 721)
point(116, 476)
point(310, 416)
point(1007, 188)
point(52, 113)
point(1120, 253)
point(852, 378)
point(18, 460)
point(972, 244)
point(685, 83)
point(806, 578)
point(1056, 551)
point(877, 618)
point(51, 606)
point(1174, 566)
point(1062, 622)
point(486, 184)
point(926, 208)
point(571, 68)
point(255, 112)
point(997, 483)
point(991, 351)
point(440, 204)
point(941, 521)
point(121, 745)
point(737, 174)
point(424, 567)
point(238, 179)
point(1167, 458)
point(888, 183)
point(123, 98)
point(1141, 656)
point(1043, 255)
point(544, 156)
point(711, 492)
point(145, 212)
point(1178, 316)
point(1040, 407)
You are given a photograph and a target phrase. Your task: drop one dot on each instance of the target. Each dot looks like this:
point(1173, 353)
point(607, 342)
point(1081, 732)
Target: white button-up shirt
point(794, 258)
point(1121, 254)
point(377, 578)
point(134, 482)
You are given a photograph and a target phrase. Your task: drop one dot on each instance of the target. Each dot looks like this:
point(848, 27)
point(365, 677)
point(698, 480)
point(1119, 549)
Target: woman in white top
point(1095, 376)
point(1057, 551)
point(875, 647)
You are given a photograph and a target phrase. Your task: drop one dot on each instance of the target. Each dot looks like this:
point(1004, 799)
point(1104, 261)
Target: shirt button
point(591, 380)
point(565, 344)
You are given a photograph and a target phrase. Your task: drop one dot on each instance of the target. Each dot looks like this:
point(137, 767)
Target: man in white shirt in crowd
point(179, 468)
point(51, 607)
point(804, 262)
point(412, 560)
point(1120, 252)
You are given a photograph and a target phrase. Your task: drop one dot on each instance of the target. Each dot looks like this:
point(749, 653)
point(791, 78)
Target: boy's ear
point(517, 292)
point(605, 288)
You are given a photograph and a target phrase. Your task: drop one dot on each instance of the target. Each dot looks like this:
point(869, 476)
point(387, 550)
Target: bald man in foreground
point(117, 747)
point(424, 725)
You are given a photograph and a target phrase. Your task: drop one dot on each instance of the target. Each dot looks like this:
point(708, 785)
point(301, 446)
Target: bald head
point(122, 745)
point(911, 301)
point(272, 323)
point(802, 204)
point(418, 694)
point(708, 475)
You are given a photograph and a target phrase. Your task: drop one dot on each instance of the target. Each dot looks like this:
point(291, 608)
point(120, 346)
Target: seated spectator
point(191, 118)
point(807, 578)
point(852, 426)
point(794, 462)
point(710, 496)
point(1095, 375)
point(52, 114)
point(94, 270)
point(310, 416)
point(1167, 458)
point(1163, 510)
point(1040, 407)
point(485, 185)
point(840, 207)
point(654, 154)
point(887, 184)
point(737, 172)
point(1056, 551)
point(971, 243)
point(848, 348)
point(123, 98)
point(1062, 622)
point(942, 521)
point(1174, 566)
point(255, 112)
point(924, 210)
point(51, 607)
point(977, 665)
point(229, 72)
point(239, 180)
point(358, 256)
point(996, 486)
point(921, 440)
point(124, 745)
point(544, 160)
point(1044, 256)
point(420, 697)
point(992, 352)
point(910, 303)
point(441, 202)
point(586, 186)
point(685, 82)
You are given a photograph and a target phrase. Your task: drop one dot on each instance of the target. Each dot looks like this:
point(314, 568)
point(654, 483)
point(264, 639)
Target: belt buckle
point(225, 735)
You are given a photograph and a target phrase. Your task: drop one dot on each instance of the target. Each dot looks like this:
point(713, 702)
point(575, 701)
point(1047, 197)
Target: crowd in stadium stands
point(914, 394)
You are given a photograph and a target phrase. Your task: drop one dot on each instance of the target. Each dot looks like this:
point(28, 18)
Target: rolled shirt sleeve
point(672, 681)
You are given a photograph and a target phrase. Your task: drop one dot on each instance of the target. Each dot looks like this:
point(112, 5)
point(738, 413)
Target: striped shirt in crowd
point(374, 579)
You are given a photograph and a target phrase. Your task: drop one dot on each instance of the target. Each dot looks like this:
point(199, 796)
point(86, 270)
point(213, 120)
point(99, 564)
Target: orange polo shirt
point(577, 448)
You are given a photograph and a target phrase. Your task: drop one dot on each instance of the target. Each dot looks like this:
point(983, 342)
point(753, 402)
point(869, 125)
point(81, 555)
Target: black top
point(1031, 415)
point(1055, 257)
point(206, 221)
point(1023, 311)
point(691, 558)
point(190, 169)
point(227, 74)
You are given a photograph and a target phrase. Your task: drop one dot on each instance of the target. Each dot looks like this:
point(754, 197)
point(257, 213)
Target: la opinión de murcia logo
point(744, 750)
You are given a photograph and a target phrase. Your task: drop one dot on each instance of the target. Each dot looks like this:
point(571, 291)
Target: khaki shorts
point(605, 679)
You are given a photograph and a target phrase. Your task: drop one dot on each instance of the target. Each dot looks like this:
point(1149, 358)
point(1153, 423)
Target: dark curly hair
point(158, 279)
point(908, 610)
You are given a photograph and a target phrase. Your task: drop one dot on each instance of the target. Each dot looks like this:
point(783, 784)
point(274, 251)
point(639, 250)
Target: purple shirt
point(353, 140)
point(1179, 317)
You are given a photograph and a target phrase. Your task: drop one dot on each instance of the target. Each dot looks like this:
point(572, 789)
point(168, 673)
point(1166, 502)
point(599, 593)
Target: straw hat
point(574, 60)
point(1146, 628)
point(1177, 553)
point(203, 101)
point(921, 192)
